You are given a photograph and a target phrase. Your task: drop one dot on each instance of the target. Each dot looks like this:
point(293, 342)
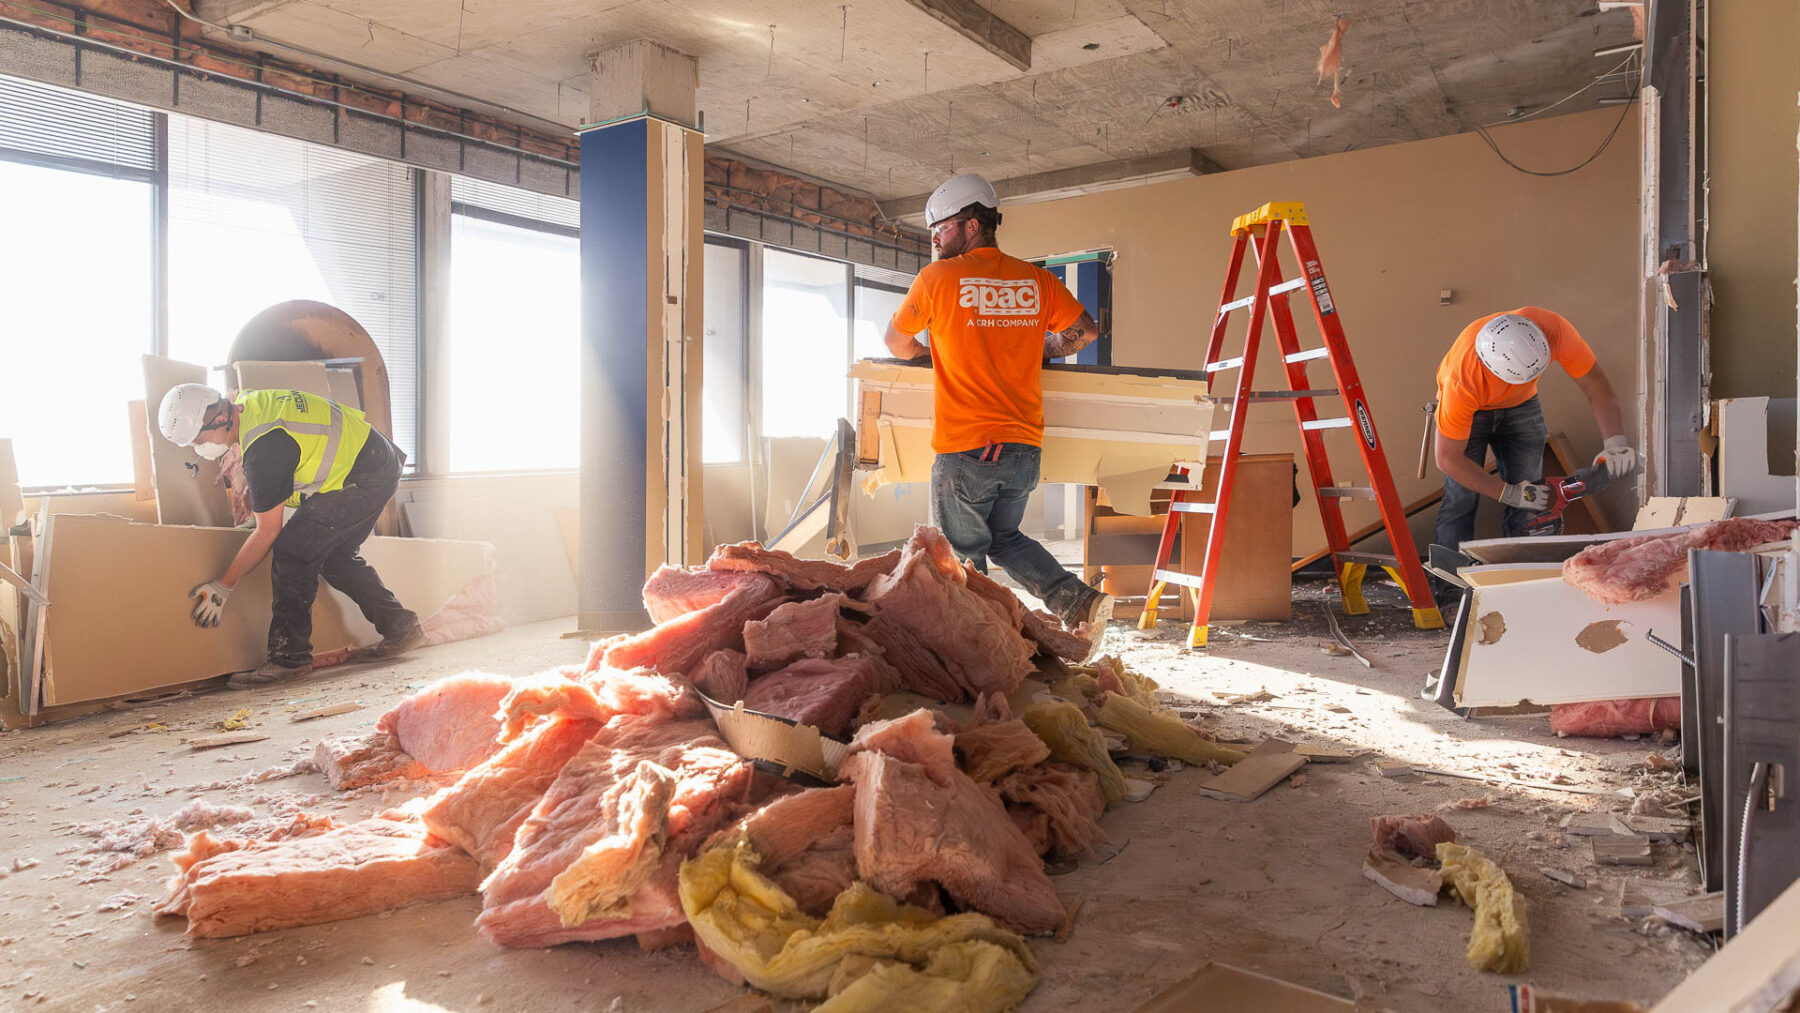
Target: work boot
point(1094, 608)
point(268, 674)
point(390, 646)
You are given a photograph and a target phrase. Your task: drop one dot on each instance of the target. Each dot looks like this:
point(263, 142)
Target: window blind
point(256, 219)
point(73, 130)
point(511, 200)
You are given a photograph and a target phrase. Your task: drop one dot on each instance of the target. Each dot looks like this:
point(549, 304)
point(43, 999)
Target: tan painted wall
point(1754, 77)
point(1393, 225)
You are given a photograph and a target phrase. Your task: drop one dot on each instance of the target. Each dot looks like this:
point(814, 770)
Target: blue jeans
point(1516, 435)
point(978, 505)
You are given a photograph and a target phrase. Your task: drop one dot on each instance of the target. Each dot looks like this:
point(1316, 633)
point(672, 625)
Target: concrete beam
point(977, 24)
point(1058, 183)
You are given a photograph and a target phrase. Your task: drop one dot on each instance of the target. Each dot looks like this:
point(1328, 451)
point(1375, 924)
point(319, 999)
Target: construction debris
point(1566, 878)
point(1403, 879)
point(1629, 849)
point(1705, 913)
point(1501, 938)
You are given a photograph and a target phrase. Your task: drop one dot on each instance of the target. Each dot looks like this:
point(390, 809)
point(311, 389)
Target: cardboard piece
point(1118, 431)
point(188, 490)
point(137, 429)
point(122, 623)
point(779, 744)
point(1232, 990)
point(1532, 637)
point(12, 500)
point(1674, 511)
point(1250, 777)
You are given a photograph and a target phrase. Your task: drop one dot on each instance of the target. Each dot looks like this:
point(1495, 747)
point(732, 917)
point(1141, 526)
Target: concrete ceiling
point(888, 96)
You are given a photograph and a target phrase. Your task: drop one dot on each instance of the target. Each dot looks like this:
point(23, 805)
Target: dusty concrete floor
point(1272, 885)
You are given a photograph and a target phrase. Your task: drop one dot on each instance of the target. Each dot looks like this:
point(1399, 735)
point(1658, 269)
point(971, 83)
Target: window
point(805, 345)
point(878, 294)
point(515, 325)
point(1089, 276)
point(77, 270)
point(256, 219)
point(724, 380)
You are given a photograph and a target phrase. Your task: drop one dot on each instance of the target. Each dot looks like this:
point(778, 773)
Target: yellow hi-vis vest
point(329, 434)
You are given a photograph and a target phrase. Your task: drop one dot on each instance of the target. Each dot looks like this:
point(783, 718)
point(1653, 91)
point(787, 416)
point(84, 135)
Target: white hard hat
point(183, 411)
point(958, 192)
point(1513, 348)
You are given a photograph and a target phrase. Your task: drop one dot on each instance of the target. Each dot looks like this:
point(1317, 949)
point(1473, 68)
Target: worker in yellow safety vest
point(304, 451)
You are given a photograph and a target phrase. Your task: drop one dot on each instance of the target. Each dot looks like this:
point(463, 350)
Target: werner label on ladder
point(1259, 233)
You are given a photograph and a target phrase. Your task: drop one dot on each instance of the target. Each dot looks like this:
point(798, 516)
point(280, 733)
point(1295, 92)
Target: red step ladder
point(1261, 231)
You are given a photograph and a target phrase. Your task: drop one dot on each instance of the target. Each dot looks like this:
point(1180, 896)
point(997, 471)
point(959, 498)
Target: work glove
point(1526, 496)
point(1620, 459)
point(211, 605)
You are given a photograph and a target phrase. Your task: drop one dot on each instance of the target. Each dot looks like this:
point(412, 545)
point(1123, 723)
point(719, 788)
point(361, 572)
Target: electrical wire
point(1584, 163)
point(1539, 112)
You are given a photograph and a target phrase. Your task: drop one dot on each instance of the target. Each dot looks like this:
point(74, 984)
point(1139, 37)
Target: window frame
point(750, 346)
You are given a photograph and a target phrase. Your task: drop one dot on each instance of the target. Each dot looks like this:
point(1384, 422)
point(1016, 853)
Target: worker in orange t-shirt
point(993, 321)
point(1487, 399)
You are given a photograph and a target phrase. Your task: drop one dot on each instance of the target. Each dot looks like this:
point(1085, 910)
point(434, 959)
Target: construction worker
point(1487, 400)
point(992, 320)
point(299, 450)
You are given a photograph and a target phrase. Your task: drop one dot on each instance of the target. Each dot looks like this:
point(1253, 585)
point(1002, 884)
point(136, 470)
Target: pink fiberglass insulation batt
point(1637, 569)
point(450, 724)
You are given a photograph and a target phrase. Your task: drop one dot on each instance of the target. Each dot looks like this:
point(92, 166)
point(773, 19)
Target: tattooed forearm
point(1072, 340)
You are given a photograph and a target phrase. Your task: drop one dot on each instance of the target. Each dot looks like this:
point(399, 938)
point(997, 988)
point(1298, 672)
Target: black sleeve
point(269, 467)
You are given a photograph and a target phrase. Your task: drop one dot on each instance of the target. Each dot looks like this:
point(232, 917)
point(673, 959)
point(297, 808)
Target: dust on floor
point(1273, 885)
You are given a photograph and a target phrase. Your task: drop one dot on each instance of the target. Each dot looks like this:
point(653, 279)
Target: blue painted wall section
point(615, 265)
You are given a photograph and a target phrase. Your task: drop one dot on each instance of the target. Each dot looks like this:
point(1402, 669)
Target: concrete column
point(641, 257)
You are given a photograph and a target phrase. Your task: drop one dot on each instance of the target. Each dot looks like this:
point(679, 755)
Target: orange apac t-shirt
point(1465, 386)
point(988, 314)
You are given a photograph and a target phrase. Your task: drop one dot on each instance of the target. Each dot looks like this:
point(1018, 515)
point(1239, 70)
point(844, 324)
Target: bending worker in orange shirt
point(1487, 399)
point(993, 321)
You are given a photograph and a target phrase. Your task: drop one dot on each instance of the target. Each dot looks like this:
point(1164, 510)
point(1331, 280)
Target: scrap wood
point(1500, 940)
point(1251, 777)
point(331, 711)
point(226, 739)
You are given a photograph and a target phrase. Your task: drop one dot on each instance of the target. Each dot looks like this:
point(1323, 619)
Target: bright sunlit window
point(805, 345)
point(514, 357)
point(76, 263)
point(256, 219)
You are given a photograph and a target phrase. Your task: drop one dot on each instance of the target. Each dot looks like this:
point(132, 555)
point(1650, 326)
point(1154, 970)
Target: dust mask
point(210, 451)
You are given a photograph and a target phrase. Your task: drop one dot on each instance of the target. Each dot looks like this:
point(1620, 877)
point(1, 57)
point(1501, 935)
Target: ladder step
point(1244, 303)
point(1374, 558)
point(1177, 577)
point(1187, 507)
point(1214, 367)
point(1311, 353)
point(1326, 424)
point(1281, 395)
point(1347, 492)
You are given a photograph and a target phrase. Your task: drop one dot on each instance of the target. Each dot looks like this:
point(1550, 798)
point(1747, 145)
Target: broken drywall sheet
point(1118, 431)
point(1532, 637)
point(12, 500)
point(1674, 511)
point(310, 377)
point(188, 490)
point(108, 636)
point(1751, 469)
point(1758, 971)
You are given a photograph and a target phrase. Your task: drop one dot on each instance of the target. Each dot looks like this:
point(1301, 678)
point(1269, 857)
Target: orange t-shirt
point(987, 313)
point(1465, 386)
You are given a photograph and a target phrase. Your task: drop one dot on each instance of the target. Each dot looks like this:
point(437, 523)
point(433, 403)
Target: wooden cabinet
point(1255, 581)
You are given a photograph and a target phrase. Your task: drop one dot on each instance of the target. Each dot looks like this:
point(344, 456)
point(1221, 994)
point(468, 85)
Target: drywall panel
point(1385, 265)
point(109, 636)
point(1748, 469)
point(263, 375)
point(12, 501)
point(1751, 119)
point(1533, 637)
point(531, 558)
point(188, 490)
point(137, 420)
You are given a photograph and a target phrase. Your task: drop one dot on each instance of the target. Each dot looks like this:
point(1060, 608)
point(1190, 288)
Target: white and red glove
point(1620, 459)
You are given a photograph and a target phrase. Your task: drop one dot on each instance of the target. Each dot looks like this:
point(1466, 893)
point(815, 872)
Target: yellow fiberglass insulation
point(1071, 739)
point(1161, 732)
point(744, 919)
point(1501, 939)
point(966, 977)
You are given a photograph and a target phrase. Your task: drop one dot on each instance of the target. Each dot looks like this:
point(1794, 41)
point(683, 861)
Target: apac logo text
point(995, 297)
